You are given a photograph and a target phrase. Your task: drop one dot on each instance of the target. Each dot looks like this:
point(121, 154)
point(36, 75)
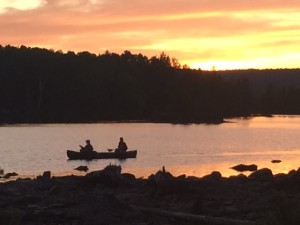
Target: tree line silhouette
point(45, 86)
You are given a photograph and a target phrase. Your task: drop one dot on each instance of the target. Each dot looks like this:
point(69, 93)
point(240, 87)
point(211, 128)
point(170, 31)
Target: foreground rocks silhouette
point(111, 197)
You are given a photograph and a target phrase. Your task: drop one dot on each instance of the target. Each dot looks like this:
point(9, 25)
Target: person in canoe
point(87, 148)
point(122, 147)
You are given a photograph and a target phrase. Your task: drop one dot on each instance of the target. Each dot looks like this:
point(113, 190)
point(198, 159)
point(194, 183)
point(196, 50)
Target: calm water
point(183, 149)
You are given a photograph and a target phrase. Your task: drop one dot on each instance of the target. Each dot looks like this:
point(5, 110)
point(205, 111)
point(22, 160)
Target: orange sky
point(227, 34)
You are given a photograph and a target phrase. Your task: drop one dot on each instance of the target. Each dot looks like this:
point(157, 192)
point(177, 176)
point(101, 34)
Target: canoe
point(101, 155)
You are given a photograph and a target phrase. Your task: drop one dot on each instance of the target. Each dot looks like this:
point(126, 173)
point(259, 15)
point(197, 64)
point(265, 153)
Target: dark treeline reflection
point(41, 86)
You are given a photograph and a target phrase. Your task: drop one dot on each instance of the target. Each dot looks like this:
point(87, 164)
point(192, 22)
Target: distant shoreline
point(216, 121)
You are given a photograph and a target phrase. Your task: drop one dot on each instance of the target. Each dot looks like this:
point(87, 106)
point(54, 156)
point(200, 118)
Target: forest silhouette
point(45, 86)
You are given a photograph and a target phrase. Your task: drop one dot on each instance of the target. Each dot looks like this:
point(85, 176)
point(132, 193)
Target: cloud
point(191, 30)
point(7, 5)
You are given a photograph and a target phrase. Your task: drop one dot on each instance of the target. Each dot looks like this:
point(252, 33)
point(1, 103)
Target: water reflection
point(194, 150)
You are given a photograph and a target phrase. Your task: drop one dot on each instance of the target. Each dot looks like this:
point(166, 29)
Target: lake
point(196, 149)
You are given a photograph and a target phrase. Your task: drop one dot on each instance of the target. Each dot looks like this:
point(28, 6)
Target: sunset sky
point(227, 34)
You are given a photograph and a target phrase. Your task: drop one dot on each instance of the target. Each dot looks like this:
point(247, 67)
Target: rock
point(113, 169)
point(264, 174)
point(82, 168)
point(183, 176)
point(239, 178)
point(110, 176)
point(23, 179)
point(243, 167)
point(294, 176)
point(276, 161)
point(8, 175)
point(214, 176)
point(162, 178)
point(292, 172)
point(128, 176)
point(80, 200)
point(162, 182)
point(47, 175)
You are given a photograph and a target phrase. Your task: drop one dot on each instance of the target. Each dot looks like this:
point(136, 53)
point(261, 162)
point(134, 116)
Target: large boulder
point(239, 179)
point(213, 177)
point(161, 178)
point(264, 174)
point(110, 176)
point(162, 182)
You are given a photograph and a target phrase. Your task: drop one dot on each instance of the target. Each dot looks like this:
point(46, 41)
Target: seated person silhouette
point(87, 148)
point(122, 147)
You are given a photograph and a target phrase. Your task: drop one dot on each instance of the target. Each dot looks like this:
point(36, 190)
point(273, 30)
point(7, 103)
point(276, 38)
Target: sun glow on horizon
point(224, 35)
point(277, 62)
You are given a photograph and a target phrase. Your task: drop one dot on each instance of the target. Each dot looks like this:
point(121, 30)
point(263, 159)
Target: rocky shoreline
point(109, 196)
